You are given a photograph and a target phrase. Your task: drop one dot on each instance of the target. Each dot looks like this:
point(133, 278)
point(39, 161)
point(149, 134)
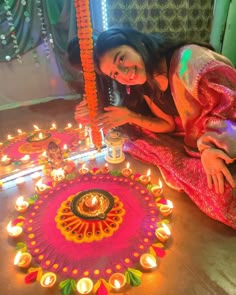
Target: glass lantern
point(114, 142)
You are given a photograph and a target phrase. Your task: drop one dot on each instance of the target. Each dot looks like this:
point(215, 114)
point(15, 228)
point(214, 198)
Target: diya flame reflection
point(14, 231)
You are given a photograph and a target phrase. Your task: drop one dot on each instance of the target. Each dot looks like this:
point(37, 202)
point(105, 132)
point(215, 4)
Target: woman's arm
point(117, 116)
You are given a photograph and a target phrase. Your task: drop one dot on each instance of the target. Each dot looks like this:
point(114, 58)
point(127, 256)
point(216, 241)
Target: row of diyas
point(5, 160)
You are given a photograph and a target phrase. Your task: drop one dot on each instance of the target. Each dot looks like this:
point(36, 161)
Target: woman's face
point(124, 65)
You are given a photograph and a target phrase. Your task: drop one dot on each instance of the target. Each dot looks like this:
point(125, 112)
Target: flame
point(148, 172)
point(170, 204)
point(128, 165)
point(48, 280)
point(17, 257)
point(69, 125)
point(54, 126)
point(151, 261)
point(9, 137)
point(19, 131)
point(94, 200)
point(160, 184)
point(4, 158)
point(65, 147)
point(117, 284)
point(40, 135)
point(80, 126)
point(166, 229)
point(36, 127)
point(25, 158)
point(20, 201)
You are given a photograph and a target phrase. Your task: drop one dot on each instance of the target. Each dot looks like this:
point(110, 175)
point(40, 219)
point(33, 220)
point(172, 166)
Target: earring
point(127, 89)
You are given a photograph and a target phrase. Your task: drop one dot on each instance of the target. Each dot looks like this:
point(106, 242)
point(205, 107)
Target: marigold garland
point(84, 31)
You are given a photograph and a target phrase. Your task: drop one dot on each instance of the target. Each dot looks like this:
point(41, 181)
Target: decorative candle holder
point(40, 187)
point(166, 209)
point(5, 160)
point(105, 169)
point(148, 261)
point(21, 204)
point(14, 231)
point(83, 170)
point(117, 280)
point(58, 174)
point(157, 189)
point(84, 286)
point(22, 260)
point(25, 159)
point(145, 179)
point(163, 233)
point(126, 171)
point(48, 279)
point(114, 142)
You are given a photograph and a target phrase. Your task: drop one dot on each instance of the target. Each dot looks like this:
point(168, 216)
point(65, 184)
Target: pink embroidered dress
point(203, 85)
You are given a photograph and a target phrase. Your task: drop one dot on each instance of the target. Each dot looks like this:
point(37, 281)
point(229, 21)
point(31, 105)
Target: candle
point(58, 174)
point(36, 128)
point(21, 204)
point(48, 279)
point(14, 231)
point(40, 187)
point(25, 159)
point(44, 155)
point(117, 280)
point(145, 179)
point(157, 189)
point(53, 127)
point(9, 137)
point(69, 126)
point(163, 233)
point(148, 261)
point(92, 202)
point(84, 286)
point(20, 132)
point(35, 175)
point(83, 170)
point(20, 181)
point(105, 169)
point(65, 147)
point(126, 171)
point(166, 209)
point(22, 259)
point(5, 160)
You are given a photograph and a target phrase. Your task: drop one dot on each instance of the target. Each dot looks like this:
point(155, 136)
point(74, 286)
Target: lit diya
point(38, 136)
point(92, 204)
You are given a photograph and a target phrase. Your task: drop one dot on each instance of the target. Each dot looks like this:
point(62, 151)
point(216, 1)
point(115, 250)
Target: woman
point(182, 81)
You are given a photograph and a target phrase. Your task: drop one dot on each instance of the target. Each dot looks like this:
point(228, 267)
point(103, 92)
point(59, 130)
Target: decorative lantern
point(114, 142)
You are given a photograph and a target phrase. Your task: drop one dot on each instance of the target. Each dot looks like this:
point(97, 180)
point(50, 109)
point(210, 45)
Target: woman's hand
point(113, 117)
point(214, 163)
point(81, 112)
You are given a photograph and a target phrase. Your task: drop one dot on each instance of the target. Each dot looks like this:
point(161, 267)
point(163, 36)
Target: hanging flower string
point(86, 53)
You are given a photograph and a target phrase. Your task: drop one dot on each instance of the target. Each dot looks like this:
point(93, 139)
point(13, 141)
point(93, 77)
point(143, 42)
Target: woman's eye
point(121, 60)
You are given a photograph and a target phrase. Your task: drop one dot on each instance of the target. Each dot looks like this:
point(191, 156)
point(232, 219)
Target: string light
point(104, 15)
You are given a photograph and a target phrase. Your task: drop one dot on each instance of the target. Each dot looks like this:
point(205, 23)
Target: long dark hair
point(152, 48)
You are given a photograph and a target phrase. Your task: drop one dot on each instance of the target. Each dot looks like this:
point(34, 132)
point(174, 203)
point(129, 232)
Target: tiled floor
point(201, 254)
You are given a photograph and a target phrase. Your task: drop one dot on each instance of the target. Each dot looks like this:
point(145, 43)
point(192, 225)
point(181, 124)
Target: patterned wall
point(187, 19)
